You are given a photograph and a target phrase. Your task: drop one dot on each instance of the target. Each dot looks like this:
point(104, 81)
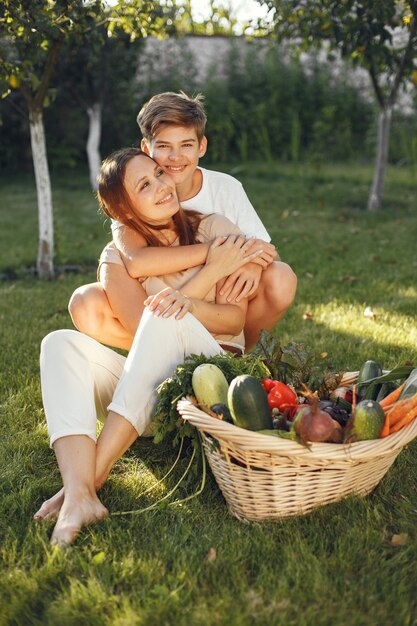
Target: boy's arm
point(245, 281)
point(221, 318)
point(143, 260)
point(243, 214)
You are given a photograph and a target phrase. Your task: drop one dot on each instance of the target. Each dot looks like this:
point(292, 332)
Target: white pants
point(81, 379)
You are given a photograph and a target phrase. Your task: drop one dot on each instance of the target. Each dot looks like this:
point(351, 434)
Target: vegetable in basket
point(366, 422)
point(313, 424)
point(402, 413)
point(280, 396)
point(209, 385)
point(410, 386)
point(248, 403)
point(369, 370)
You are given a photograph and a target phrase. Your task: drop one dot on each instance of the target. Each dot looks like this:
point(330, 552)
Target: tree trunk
point(384, 124)
point(45, 263)
point(93, 143)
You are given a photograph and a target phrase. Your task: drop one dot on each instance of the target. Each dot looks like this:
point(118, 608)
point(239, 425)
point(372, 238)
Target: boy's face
point(177, 150)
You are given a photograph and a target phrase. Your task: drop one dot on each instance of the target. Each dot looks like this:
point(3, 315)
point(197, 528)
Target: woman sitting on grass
point(184, 314)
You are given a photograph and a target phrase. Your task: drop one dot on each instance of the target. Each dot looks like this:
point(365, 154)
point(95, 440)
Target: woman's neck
point(167, 236)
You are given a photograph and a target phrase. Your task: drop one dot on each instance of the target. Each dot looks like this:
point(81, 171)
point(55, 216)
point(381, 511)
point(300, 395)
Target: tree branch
point(50, 66)
point(27, 95)
point(405, 60)
point(377, 88)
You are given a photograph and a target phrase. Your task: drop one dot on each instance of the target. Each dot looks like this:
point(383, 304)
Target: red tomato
point(281, 397)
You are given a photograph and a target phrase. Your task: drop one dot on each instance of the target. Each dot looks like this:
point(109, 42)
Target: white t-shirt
point(223, 194)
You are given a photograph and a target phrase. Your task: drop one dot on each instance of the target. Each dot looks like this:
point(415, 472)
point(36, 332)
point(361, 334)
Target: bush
point(261, 107)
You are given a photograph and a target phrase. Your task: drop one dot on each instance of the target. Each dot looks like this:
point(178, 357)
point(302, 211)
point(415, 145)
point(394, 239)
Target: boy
point(172, 127)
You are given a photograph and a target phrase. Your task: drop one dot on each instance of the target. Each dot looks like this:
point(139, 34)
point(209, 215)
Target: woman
point(184, 314)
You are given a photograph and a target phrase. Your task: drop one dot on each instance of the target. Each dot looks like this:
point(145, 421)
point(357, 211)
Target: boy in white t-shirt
point(172, 127)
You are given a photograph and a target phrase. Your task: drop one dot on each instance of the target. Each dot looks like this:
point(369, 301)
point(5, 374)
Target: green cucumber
point(209, 385)
point(370, 369)
point(248, 403)
point(410, 387)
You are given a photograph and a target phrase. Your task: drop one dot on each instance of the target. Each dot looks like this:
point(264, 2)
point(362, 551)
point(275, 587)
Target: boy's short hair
point(169, 108)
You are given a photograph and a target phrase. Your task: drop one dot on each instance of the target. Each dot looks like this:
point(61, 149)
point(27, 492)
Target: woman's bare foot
point(77, 511)
point(50, 508)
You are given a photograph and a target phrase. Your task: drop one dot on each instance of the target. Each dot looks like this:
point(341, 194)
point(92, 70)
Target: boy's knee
point(77, 305)
point(85, 309)
point(280, 284)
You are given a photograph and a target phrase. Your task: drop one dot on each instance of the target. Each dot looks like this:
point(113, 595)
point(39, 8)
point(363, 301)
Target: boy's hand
point(243, 283)
point(268, 255)
point(169, 302)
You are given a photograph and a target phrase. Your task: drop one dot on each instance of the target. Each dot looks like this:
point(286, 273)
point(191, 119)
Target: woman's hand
point(228, 255)
point(169, 302)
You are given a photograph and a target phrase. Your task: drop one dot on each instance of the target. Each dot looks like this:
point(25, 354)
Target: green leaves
point(364, 32)
point(294, 363)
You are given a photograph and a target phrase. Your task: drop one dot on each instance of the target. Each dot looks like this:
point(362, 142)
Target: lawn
point(195, 564)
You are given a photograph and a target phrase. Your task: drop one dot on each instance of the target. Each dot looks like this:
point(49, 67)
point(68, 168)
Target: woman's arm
point(143, 260)
point(221, 318)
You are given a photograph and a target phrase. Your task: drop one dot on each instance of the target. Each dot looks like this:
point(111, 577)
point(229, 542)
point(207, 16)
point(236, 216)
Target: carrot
point(392, 397)
point(385, 429)
point(405, 420)
point(400, 409)
point(388, 408)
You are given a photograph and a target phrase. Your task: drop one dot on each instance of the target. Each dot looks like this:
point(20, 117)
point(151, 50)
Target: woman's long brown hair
point(114, 201)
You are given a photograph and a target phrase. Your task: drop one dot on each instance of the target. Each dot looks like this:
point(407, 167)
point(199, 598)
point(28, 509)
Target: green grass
point(336, 566)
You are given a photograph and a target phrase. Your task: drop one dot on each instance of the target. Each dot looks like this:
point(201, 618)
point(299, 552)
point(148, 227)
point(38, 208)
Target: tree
point(99, 71)
point(95, 74)
point(379, 35)
point(31, 36)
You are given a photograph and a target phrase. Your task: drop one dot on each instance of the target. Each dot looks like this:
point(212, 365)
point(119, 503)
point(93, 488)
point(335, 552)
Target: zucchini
point(410, 387)
point(209, 385)
point(370, 369)
point(248, 403)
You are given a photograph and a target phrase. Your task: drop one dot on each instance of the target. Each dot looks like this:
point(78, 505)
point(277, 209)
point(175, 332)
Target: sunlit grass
point(387, 327)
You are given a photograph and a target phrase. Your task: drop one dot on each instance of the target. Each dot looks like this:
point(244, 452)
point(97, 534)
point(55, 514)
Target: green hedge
point(262, 108)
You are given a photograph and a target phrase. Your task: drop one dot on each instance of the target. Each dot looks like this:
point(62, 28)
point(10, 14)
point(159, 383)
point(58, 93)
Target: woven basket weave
point(264, 477)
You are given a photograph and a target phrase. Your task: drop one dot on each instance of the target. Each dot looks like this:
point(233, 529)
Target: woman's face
point(151, 191)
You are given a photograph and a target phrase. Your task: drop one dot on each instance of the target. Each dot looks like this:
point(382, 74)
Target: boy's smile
point(177, 150)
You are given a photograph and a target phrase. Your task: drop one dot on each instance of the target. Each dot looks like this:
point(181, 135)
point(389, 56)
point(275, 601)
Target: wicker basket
point(264, 477)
